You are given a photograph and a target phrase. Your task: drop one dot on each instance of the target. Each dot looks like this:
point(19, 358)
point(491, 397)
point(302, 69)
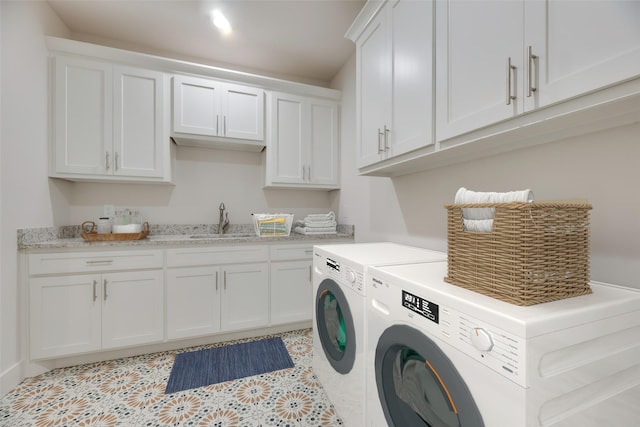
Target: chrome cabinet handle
point(104, 290)
point(99, 262)
point(386, 138)
point(380, 134)
point(532, 63)
point(95, 294)
point(224, 280)
point(216, 281)
point(115, 161)
point(310, 273)
point(510, 70)
point(106, 158)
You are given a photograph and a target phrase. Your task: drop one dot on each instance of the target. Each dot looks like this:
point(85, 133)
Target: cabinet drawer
point(216, 255)
point(83, 262)
point(291, 252)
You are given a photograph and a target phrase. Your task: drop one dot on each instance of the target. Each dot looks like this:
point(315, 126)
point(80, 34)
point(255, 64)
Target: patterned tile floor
point(130, 392)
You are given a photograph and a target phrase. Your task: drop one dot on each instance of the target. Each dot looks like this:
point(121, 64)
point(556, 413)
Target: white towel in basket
point(481, 219)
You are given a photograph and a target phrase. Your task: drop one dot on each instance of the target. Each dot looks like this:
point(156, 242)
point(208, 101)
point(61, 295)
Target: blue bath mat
point(215, 365)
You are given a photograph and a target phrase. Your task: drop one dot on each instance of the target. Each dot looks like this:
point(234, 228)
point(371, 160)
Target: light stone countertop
point(69, 237)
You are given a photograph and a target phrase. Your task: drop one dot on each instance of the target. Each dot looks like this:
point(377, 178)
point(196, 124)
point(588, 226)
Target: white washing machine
point(339, 324)
point(442, 355)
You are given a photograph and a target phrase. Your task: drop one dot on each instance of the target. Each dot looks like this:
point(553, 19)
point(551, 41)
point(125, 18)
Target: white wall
point(25, 196)
point(601, 167)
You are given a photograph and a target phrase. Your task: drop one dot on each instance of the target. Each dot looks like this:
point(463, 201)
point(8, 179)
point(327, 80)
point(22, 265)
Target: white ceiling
point(301, 40)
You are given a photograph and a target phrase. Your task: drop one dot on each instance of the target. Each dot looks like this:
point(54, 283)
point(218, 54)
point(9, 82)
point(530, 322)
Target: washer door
point(334, 324)
point(418, 385)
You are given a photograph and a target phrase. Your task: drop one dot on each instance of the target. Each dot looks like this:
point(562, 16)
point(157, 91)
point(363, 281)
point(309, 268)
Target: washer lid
point(384, 253)
point(427, 280)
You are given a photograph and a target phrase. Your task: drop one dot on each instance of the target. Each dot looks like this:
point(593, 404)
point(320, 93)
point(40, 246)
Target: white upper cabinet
point(210, 113)
point(108, 122)
point(395, 81)
point(478, 64)
point(578, 46)
point(498, 59)
point(302, 147)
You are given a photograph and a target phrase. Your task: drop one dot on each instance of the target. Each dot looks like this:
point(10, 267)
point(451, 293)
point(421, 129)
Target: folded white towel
point(484, 216)
point(309, 231)
point(330, 216)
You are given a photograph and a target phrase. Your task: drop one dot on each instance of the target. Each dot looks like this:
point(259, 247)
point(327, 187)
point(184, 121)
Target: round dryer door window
point(334, 324)
point(418, 385)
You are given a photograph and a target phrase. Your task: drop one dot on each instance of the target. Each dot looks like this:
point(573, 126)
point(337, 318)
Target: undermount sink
point(222, 236)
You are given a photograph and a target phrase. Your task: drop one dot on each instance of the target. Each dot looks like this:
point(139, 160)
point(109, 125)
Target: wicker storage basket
point(536, 252)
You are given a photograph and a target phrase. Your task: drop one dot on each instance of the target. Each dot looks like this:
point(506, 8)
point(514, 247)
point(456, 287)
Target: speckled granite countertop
point(67, 237)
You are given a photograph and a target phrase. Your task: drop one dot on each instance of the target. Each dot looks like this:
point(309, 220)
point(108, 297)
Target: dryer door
point(418, 385)
point(334, 324)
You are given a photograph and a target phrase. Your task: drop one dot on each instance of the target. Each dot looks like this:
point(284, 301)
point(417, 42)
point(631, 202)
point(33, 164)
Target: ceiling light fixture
point(220, 22)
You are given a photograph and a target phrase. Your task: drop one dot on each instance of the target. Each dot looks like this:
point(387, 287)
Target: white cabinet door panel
point(83, 115)
point(245, 296)
point(138, 121)
point(193, 301)
point(244, 112)
point(580, 46)
point(323, 143)
point(373, 74)
point(291, 292)
point(132, 308)
point(65, 315)
point(474, 43)
point(195, 106)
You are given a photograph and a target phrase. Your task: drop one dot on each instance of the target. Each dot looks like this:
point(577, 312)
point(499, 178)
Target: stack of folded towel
point(317, 224)
point(481, 219)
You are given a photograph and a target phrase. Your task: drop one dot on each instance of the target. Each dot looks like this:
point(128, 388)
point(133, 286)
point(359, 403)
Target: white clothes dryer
point(339, 323)
point(442, 355)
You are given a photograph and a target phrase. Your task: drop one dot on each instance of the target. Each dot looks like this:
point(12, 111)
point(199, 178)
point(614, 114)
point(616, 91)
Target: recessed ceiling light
point(220, 22)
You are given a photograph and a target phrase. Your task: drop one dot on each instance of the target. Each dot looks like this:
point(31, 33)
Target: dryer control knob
point(351, 276)
point(481, 339)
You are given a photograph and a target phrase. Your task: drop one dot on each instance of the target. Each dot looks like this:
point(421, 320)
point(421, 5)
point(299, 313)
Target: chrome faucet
point(223, 220)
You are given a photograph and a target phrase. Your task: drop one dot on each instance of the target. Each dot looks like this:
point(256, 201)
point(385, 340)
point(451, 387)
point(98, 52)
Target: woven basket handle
point(88, 227)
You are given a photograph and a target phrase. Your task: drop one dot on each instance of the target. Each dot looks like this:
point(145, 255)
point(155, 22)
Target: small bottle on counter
point(104, 225)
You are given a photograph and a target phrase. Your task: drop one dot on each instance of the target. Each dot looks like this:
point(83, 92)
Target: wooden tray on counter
point(90, 234)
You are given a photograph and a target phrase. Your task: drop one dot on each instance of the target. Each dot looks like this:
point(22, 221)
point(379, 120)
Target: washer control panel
point(486, 343)
point(344, 274)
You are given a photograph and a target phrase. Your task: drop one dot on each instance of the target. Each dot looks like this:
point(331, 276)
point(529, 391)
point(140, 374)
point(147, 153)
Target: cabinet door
point(193, 302)
point(580, 46)
point(132, 308)
point(245, 296)
point(475, 41)
point(291, 292)
point(322, 150)
point(196, 106)
point(83, 118)
point(285, 149)
point(138, 122)
point(243, 112)
point(64, 314)
point(410, 118)
point(373, 68)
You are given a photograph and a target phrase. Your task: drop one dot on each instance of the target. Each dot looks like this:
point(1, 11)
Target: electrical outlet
point(109, 211)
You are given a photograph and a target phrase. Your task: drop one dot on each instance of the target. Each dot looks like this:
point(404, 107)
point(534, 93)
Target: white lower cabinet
point(216, 289)
point(84, 302)
point(291, 283)
point(75, 314)
point(245, 296)
point(193, 301)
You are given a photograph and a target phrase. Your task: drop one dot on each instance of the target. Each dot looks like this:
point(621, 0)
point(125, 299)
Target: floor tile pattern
point(130, 392)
